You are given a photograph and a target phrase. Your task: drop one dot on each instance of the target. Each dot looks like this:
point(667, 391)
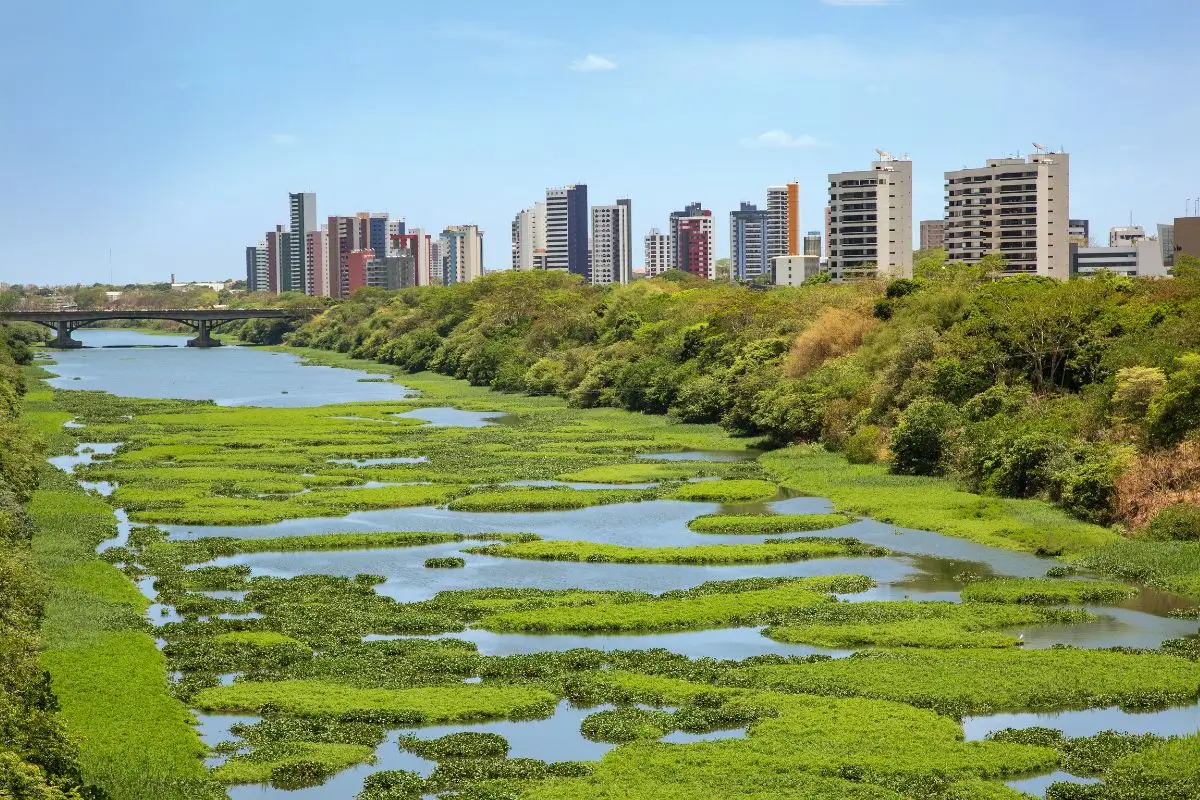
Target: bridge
point(201, 320)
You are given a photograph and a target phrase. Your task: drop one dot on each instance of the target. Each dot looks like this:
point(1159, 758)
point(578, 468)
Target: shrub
point(1180, 522)
point(449, 562)
point(835, 333)
point(865, 445)
point(919, 441)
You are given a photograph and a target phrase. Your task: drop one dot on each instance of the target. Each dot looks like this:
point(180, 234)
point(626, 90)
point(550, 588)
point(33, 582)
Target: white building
point(303, 210)
point(1125, 236)
point(794, 270)
point(529, 238)
point(611, 248)
point(461, 249)
point(1140, 259)
point(870, 221)
point(783, 221)
point(1015, 207)
point(395, 227)
point(658, 253)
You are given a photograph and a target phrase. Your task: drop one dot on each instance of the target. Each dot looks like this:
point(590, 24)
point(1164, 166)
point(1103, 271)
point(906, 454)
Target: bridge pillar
point(203, 335)
point(63, 340)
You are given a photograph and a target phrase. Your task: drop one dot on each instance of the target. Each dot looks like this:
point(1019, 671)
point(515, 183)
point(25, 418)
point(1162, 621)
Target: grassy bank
point(711, 554)
point(135, 738)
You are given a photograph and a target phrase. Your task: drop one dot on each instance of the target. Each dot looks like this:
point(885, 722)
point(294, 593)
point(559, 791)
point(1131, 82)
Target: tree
point(1136, 389)
point(723, 269)
point(1175, 411)
point(919, 441)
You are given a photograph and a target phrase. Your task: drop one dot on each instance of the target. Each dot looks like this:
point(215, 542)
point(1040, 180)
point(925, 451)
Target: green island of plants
point(449, 562)
point(711, 554)
point(681, 611)
point(422, 705)
point(909, 624)
point(726, 491)
point(980, 682)
point(1044, 592)
point(293, 765)
point(758, 524)
point(546, 499)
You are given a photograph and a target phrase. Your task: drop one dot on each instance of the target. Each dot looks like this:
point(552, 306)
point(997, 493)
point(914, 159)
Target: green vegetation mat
point(907, 624)
point(726, 491)
point(1040, 591)
point(758, 524)
point(715, 554)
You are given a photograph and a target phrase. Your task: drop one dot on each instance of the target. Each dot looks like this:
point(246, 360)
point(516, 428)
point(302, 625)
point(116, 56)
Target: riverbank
point(136, 739)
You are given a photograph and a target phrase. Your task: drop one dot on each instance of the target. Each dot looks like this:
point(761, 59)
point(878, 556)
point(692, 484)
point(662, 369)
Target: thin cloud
point(285, 139)
point(781, 138)
point(593, 63)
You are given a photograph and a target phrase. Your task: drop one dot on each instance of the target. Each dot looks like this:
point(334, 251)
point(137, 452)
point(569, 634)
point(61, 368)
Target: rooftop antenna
point(1041, 148)
point(884, 155)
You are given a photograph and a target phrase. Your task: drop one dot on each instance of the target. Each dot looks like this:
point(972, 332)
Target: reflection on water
point(702, 455)
point(1180, 721)
point(230, 376)
point(1036, 787)
point(455, 417)
point(85, 453)
point(732, 644)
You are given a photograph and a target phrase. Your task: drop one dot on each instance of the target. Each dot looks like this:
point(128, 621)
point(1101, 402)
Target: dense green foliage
point(1036, 591)
point(766, 523)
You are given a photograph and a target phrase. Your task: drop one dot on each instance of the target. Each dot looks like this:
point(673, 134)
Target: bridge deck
point(182, 314)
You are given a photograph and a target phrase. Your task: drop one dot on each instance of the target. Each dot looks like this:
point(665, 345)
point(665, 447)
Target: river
point(924, 564)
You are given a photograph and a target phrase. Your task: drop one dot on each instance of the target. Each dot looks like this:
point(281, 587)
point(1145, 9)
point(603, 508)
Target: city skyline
point(142, 138)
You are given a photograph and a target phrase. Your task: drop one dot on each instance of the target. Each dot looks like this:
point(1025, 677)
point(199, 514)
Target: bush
point(451, 562)
point(1180, 522)
point(865, 445)
point(919, 441)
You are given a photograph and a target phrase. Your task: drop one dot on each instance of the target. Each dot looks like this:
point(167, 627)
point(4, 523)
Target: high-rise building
point(377, 233)
point(258, 268)
point(658, 253)
point(1079, 232)
point(436, 275)
point(414, 245)
point(1125, 235)
point(356, 269)
point(1018, 208)
point(277, 258)
point(462, 253)
point(812, 244)
point(933, 233)
point(611, 250)
point(529, 238)
point(1185, 234)
point(748, 242)
point(395, 227)
point(303, 209)
point(392, 272)
point(870, 220)
point(783, 221)
point(346, 235)
point(316, 263)
point(692, 241)
point(1166, 241)
point(567, 229)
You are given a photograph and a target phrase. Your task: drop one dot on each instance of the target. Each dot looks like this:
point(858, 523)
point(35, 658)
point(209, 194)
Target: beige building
point(870, 221)
point(794, 270)
point(933, 233)
point(1019, 208)
point(529, 238)
point(658, 253)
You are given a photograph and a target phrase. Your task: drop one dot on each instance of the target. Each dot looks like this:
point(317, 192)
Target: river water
point(924, 565)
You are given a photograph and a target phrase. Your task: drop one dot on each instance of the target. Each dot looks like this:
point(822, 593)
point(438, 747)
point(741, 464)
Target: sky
point(169, 132)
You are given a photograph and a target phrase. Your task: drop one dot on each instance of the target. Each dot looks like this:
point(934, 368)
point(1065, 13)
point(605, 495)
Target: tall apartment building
point(346, 235)
point(749, 242)
point(933, 233)
point(356, 270)
point(436, 276)
point(692, 243)
point(529, 238)
point(1166, 241)
point(1126, 235)
point(1079, 232)
point(658, 253)
point(567, 229)
point(870, 220)
point(277, 258)
point(258, 270)
point(1015, 207)
point(316, 262)
point(783, 221)
point(303, 211)
point(414, 246)
point(395, 227)
point(812, 244)
point(611, 249)
point(377, 233)
point(461, 248)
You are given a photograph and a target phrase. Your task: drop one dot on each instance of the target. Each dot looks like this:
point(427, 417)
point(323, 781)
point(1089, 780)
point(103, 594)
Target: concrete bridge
point(201, 320)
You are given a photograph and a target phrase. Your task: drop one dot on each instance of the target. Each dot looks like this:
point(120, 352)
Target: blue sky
point(170, 131)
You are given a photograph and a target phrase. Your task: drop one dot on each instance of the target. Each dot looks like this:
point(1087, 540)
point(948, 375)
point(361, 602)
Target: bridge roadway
point(201, 320)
